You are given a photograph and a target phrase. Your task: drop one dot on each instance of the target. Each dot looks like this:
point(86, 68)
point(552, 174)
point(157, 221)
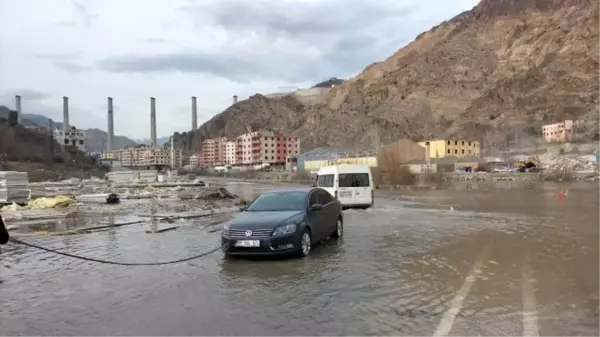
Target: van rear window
point(354, 180)
point(325, 180)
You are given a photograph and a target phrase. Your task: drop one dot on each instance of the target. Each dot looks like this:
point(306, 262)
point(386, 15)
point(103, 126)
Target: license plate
point(346, 194)
point(248, 243)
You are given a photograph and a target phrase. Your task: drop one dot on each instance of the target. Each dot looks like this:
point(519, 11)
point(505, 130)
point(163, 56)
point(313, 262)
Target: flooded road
point(495, 262)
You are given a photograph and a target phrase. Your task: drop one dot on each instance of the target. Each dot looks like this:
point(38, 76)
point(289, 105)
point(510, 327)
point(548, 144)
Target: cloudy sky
point(172, 50)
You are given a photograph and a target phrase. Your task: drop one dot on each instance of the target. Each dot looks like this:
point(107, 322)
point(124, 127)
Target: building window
point(427, 143)
point(66, 141)
point(455, 151)
point(463, 142)
point(81, 142)
point(456, 142)
point(469, 143)
point(448, 144)
point(266, 157)
point(272, 157)
point(448, 151)
point(463, 151)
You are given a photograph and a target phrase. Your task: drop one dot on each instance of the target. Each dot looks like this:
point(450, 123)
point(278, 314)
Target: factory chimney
point(235, 100)
point(66, 127)
point(18, 108)
point(111, 132)
point(153, 121)
point(172, 153)
point(194, 114)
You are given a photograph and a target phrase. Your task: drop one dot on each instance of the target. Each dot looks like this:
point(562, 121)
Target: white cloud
point(172, 50)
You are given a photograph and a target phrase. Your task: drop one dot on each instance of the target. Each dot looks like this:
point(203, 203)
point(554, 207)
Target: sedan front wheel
point(305, 243)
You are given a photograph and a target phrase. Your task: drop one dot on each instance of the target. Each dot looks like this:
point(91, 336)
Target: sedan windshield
point(282, 201)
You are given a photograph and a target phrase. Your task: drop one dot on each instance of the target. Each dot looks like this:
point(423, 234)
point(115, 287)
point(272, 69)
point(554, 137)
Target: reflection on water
point(395, 272)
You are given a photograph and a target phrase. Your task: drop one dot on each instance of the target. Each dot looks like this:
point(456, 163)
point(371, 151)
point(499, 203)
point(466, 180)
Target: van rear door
point(355, 188)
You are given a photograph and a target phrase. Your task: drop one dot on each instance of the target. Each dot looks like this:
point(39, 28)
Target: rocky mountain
point(505, 65)
point(96, 138)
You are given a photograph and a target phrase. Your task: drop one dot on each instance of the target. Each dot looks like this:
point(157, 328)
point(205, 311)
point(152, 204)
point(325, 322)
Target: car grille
point(256, 233)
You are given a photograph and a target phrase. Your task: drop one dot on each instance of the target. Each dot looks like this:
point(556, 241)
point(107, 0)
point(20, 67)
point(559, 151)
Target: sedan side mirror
point(316, 207)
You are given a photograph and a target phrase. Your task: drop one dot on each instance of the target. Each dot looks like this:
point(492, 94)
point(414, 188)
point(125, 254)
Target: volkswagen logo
point(248, 233)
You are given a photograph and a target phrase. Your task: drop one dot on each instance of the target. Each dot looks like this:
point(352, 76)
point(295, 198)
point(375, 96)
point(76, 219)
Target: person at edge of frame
point(3, 232)
point(4, 237)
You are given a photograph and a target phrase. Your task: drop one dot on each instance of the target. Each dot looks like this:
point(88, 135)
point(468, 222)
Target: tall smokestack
point(172, 153)
point(66, 127)
point(18, 108)
point(235, 99)
point(194, 114)
point(111, 132)
point(153, 121)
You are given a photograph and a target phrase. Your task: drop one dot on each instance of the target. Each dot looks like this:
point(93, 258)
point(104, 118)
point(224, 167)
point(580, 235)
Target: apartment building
point(71, 138)
point(251, 148)
point(194, 160)
point(213, 151)
point(231, 154)
point(440, 148)
point(558, 132)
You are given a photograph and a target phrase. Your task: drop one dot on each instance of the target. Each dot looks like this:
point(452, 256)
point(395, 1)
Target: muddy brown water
point(499, 262)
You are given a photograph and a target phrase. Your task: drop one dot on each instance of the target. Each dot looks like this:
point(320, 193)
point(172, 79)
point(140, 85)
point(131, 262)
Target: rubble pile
point(215, 193)
point(569, 164)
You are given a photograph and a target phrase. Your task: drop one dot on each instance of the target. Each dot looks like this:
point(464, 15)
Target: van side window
point(325, 180)
point(354, 180)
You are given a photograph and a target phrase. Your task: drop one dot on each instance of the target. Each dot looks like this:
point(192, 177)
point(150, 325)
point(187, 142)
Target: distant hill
point(29, 151)
point(160, 140)
point(96, 138)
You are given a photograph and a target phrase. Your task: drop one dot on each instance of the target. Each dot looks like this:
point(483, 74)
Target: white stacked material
point(570, 164)
point(14, 186)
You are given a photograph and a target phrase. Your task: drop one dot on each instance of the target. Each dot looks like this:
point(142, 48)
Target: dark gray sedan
point(284, 222)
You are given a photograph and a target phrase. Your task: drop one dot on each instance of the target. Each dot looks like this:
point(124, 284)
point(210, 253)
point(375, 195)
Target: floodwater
point(471, 262)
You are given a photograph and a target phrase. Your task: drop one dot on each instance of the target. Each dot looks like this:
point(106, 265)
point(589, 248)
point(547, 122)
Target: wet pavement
point(471, 262)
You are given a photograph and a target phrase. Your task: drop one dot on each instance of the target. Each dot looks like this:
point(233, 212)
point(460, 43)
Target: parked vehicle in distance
point(504, 169)
point(352, 185)
point(284, 222)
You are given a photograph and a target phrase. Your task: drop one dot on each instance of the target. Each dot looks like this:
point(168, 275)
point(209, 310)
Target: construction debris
point(215, 193)
point(60, 201)
point(569, 164)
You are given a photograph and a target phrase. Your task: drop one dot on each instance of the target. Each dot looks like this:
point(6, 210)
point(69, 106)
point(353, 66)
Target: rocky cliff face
point(502, 65)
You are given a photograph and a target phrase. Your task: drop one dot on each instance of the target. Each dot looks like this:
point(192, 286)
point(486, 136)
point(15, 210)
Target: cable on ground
point(17, 241)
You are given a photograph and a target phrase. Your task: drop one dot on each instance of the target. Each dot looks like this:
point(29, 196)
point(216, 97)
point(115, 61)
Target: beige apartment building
point(142, 156)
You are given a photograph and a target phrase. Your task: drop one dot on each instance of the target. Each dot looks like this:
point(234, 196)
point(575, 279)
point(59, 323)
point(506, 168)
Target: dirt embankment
point(37, 153)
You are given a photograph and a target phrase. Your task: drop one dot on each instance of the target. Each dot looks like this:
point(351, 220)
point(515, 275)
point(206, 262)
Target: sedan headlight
point(226, 228)
point(285, 229)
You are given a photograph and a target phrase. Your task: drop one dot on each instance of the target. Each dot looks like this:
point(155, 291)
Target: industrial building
point(67, 135)
point(74, 137)
point(320, 157)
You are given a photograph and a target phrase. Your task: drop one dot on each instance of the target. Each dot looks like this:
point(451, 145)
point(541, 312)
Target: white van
point(352, 185)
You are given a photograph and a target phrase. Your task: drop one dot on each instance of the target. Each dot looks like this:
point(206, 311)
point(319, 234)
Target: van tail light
point(335, 194)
